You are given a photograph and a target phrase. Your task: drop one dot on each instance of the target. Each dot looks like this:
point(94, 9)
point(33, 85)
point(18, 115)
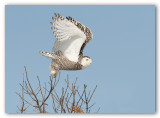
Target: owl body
point(62, 63)
point(65, 64)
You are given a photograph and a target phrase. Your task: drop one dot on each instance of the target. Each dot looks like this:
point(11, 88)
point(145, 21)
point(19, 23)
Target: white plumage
point(71, 38)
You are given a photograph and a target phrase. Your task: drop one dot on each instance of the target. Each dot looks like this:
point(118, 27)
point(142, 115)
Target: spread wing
point(71, 37)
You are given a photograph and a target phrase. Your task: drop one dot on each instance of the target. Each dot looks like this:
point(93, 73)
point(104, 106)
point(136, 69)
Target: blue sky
point(122, 50)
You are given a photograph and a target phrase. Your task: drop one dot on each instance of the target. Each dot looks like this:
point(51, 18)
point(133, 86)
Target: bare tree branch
point(70, 100)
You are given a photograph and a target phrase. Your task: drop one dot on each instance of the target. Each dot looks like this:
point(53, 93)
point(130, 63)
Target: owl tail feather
point(47, 54)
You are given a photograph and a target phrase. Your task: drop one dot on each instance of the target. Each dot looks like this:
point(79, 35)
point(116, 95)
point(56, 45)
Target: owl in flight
point(71, 39)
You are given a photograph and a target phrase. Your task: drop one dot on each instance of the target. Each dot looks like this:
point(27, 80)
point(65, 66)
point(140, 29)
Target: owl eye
point(86, 59)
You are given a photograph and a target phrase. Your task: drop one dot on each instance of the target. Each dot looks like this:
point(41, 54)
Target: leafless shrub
point(70, 100)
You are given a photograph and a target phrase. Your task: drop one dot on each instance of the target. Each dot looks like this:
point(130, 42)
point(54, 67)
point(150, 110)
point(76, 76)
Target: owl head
point(85, 62)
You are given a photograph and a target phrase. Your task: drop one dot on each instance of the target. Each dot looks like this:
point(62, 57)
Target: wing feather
point(70, 37)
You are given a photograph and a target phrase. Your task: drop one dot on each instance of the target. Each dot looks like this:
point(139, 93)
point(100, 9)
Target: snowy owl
point(71, 38)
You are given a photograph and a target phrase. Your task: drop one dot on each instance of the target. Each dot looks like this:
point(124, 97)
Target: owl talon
point(55, 75)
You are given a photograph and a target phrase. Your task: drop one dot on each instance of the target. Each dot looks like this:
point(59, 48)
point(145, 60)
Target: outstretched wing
point(71, 37)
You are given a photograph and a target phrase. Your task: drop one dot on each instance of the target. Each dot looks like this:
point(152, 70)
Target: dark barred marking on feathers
point(65, 64)
point(83, 28)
